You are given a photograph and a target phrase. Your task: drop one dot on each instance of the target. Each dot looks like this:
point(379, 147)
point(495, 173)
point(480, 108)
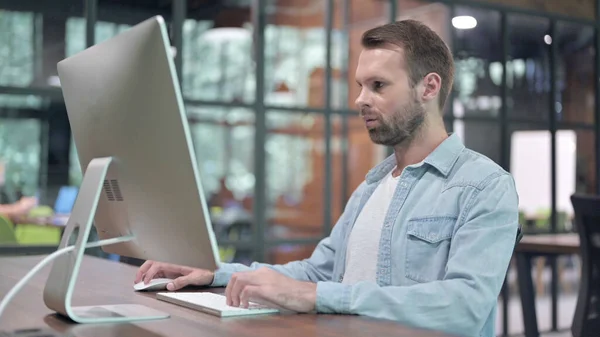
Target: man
point(426, 239)
point(17, 209)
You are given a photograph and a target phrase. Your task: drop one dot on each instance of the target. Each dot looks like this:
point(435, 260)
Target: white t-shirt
point(363, 244)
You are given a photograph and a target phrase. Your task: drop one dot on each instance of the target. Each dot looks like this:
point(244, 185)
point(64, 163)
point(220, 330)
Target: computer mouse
point(154, 284)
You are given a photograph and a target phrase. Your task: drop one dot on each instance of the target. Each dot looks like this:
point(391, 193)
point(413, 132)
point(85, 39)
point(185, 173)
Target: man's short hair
point(424, 51)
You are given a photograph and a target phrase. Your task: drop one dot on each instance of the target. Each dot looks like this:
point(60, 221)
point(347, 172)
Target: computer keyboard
point(214, 304)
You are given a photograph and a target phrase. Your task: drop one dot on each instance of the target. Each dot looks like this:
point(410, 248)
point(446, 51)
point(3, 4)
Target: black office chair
point(586, 321)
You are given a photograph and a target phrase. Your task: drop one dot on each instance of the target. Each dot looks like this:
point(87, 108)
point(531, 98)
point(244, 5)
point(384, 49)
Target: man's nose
point(363, 100)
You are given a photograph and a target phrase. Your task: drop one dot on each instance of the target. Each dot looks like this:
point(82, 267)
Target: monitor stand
point(58, 292)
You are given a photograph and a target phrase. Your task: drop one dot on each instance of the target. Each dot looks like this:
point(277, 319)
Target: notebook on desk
point(214, 304)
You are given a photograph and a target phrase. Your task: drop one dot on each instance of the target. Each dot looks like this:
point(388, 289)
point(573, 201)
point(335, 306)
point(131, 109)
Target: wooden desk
point(109, 282)
point(19, 249)
point(550, 244)
point(530, 247)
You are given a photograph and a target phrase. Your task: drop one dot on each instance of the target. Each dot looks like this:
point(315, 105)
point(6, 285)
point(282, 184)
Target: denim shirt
point(444, 250)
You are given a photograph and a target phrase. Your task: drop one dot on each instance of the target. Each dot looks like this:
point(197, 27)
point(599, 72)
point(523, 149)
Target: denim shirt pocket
point(427, 247)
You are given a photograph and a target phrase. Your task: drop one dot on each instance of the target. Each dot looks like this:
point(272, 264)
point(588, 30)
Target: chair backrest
point(7, 231)
point(586, 321)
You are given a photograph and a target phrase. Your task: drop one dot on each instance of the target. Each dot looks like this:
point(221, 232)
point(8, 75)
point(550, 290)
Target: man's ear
point(432, 83)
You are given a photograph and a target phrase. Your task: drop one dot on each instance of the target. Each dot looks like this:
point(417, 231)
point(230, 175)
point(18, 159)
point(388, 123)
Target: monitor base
point(60, 285)
point(115, 313)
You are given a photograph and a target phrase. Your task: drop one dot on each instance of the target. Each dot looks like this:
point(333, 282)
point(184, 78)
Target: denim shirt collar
point(442, 158)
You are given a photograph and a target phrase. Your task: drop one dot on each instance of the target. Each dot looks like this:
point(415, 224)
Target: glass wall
point(269, 91)
point(477, 95)
point(529, 86)
point(217, 63)
point(20, 146)
point(306, 109)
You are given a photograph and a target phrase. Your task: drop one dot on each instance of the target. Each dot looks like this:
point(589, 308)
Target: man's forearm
point(298, 270)
point(314, 269)
point(11, 210)
point(224, 272)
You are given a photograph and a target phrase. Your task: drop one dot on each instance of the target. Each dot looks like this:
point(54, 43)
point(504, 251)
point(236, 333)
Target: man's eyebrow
point(372, 79)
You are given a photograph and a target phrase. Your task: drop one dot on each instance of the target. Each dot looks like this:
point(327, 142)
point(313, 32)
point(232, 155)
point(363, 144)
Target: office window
point(74, 36)
point(289, 167)
point(575, 101)
point(17, 48)
point(217, 62)
point(478, 79)
point(75, 33)
point(295, 59)
point(530, 165)
point(296, 174)
point(480, 136)
point(295, 55)
point(575, 158)
point(106, 30)
point(19, 157)
point(297, 183)
point(529, 68)
point(574, 107)
point(223, 139)
point(21, 101)
point(113, 18)
point(477, 57)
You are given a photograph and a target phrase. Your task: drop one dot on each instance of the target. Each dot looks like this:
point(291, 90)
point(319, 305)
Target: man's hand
point(27, 203)
point(182, 276)
point(268, 287)
point(24, 205)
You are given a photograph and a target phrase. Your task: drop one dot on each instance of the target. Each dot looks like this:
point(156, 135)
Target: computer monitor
point(65, 199)
point(140, 173)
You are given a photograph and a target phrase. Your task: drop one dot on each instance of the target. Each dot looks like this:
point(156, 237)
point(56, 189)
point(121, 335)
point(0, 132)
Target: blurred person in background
point(17, 209)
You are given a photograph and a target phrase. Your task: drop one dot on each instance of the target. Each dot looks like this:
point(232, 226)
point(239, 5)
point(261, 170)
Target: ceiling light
point(53, 81)
point(464, 22)
point(226, 34)
point(548, 39)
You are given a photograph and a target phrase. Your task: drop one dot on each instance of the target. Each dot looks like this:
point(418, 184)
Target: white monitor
point(141, 178)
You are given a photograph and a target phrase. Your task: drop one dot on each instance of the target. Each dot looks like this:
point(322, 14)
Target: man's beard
point(401, 127)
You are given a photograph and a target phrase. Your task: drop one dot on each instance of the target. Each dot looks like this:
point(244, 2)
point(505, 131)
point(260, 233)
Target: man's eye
point(377, 85)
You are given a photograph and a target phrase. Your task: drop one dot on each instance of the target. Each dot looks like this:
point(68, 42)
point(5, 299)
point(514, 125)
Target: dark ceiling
point(526, 33)
point(526, 36)
point(223, 12)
